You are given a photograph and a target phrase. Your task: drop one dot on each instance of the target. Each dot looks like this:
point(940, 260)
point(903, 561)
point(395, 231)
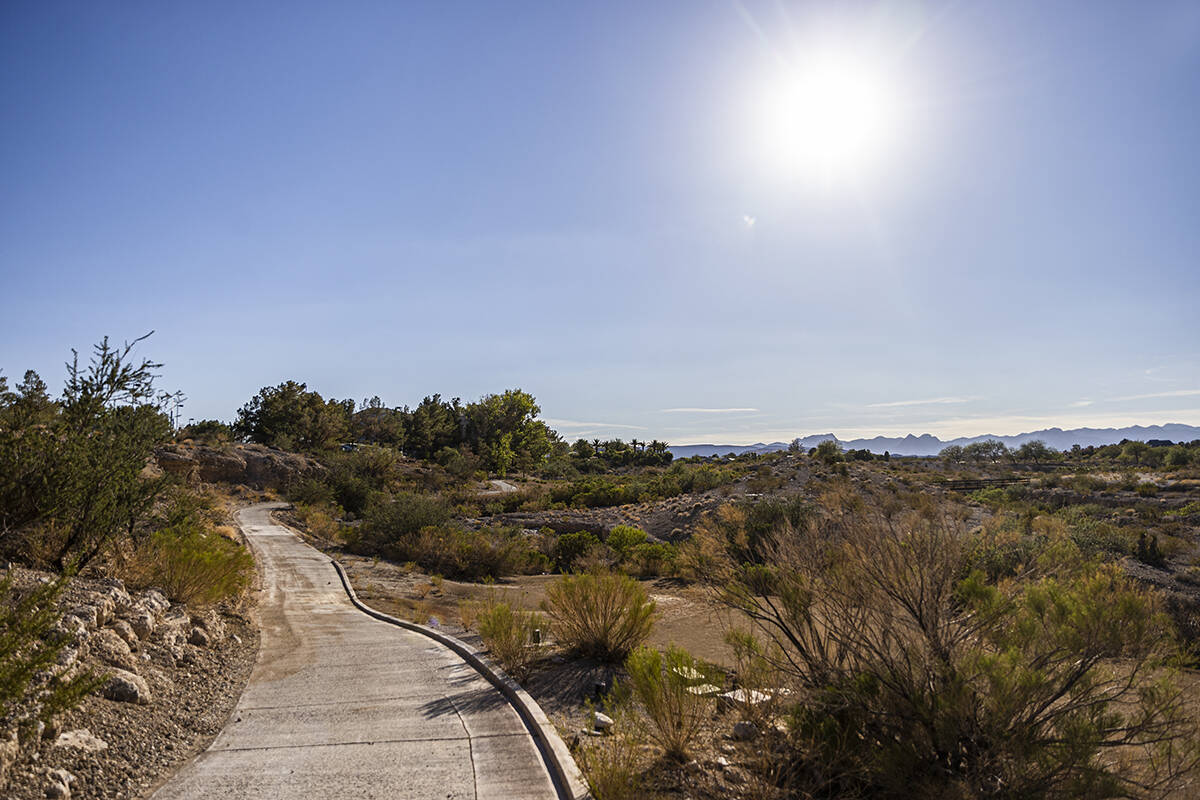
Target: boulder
point(198, 637)
point(58, 784)
point(126, 687)
point(123, 629)
point(212, 624)
point(745, 731)
point(109, 648)
point(156, 602)
point(142, 624)
point(81, 739)
point(602, 722)
point(89, 615)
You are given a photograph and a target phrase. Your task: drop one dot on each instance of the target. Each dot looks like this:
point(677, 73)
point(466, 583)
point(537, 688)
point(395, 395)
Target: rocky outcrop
point(253, 465)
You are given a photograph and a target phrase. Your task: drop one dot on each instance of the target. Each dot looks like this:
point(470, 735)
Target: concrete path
point(343, 705)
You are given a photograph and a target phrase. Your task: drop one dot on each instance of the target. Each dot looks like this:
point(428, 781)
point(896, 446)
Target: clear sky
point(640, 212)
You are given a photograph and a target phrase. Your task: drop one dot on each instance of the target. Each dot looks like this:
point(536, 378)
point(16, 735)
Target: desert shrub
point(623, 538)
point(403, 514)
point(317, 520)
point(603, 615)
point(191, 565)
point(32, 688)
point(652, 559)
point(508, 634)
point(310, 491)
point(612, 764)
point(455, 552)
point(662, 686)
point(570, 547)
point(920, 676)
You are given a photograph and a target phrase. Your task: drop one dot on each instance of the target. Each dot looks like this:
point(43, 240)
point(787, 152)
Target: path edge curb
point(564, 772)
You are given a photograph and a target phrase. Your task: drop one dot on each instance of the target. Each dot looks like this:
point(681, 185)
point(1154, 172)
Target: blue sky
point(589, 201)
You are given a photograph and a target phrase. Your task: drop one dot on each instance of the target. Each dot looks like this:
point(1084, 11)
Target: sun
point(834, 115)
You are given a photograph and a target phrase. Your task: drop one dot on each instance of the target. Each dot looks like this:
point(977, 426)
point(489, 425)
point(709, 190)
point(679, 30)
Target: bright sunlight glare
point(836, 115)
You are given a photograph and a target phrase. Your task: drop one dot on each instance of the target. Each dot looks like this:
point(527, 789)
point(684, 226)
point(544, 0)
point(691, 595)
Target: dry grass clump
point(190, 565)
point(508, 634)
point(602, 615)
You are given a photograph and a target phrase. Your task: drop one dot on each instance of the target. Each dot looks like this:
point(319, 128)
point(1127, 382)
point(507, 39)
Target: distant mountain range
point(929, 445)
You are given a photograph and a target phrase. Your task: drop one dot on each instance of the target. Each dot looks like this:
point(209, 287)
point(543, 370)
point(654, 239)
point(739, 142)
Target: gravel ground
point(145, 744)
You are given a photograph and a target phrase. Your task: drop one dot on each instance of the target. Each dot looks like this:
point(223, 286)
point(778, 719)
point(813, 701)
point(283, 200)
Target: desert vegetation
point(81, 499)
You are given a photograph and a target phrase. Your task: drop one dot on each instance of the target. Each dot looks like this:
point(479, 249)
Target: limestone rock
point(602, 722)
point(126, 687)
point(143, 624)
point(123, 629)
point(58, 784)
point(90, 615)
point(155, 602)
point(111, 649)
point(81, 739)
point(212, 624)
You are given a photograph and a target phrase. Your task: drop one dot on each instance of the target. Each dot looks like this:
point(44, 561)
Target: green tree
point(1036, 451)
point(829, 451)
point(290, 417)
point(374, 422)
point(953, 454)
point(505, 432)
point(75, 481)
point(434, 424)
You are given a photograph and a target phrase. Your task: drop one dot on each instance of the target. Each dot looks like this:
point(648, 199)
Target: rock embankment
point(169, 676)
point(253, 465)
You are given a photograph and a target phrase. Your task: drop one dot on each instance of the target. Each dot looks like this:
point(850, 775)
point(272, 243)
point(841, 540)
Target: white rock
point(81, 739)
point(58, 784)
point(89, 614)
point(602, 722)
point(705, 689)
point(143, 623)
point(155, 601)
point(744, 697)
point(111, 649)
point(123, 629)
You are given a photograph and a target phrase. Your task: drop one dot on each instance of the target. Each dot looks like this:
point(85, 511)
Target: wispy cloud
point(933, 401)
point(708, 410)
point(576, 424)
point(1154, 395)
point(1081, 403)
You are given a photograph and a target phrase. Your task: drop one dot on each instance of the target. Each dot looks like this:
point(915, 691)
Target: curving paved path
point(343, 705)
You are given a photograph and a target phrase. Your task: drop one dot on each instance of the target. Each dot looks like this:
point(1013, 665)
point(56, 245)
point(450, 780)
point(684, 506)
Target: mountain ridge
point(927, 444)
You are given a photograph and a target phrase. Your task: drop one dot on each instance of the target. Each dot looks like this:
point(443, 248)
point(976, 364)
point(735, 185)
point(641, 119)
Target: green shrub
point(623, 538)
point(570, 547)
point(403, 514)
point(31, 687)
point(652, 559)
point(508, 634)
point(600, 615)
point(662, 686)
point(191, 566)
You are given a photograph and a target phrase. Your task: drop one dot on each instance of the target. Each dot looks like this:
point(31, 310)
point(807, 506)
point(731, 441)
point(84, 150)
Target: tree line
point(1154, 453)
point(501, 430)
